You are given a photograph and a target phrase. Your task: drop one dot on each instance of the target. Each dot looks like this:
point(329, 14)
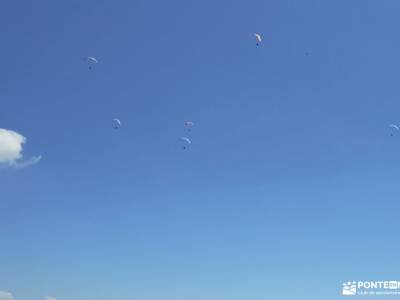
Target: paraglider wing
point(394, 126)
point(92, 59)
point(185, 139)
point(258, 38)
point(117, 123)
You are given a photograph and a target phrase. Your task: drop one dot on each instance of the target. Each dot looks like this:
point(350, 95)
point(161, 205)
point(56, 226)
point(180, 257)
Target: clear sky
point(290, 185)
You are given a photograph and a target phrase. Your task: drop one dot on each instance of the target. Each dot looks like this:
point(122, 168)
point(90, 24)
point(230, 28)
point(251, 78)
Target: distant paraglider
point(91, 61)
point(258, 39)
point(117, 123)
point(186, 142)
point(395, 127)
point(189, 125)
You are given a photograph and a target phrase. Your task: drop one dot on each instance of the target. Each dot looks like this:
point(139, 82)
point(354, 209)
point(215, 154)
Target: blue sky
point(289, 188)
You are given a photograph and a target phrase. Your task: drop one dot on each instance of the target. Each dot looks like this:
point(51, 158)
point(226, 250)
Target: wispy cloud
point(6, 296)
point(11, 148)
point(49, 298)
point(26, 163)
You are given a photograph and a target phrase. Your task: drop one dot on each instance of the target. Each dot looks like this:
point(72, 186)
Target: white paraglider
point(189, 125)
point(187, 142)
point(117, 123)
point(396, 127)
point(91, 61)
point(258, 38)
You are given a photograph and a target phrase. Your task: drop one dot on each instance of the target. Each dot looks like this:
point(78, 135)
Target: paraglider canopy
point(258, 38)
point(395, 127)
point(117, 123)
point(186, 141)
point(92, 61)
point(189, 125)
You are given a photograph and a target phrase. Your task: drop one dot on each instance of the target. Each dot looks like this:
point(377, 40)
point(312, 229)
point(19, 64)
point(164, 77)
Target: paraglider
point(91, 61)
point(117, 123)
point(189, 125)
point(186, 141)
point(258, 38)
point(396, 127)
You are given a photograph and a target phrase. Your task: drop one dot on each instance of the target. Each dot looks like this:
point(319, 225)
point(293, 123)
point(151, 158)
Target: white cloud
point(11, 147)
point(33, 160)
point(6, 296)
point(49, 298)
